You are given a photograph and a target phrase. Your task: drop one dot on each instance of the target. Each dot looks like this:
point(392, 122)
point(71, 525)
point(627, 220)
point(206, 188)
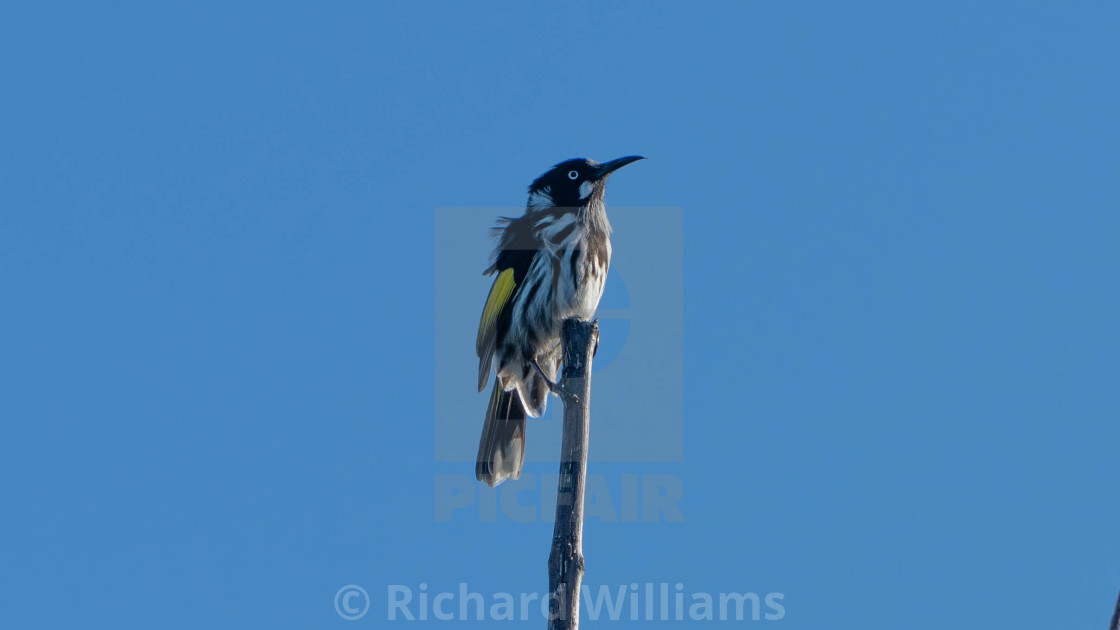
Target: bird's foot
point(556, 388)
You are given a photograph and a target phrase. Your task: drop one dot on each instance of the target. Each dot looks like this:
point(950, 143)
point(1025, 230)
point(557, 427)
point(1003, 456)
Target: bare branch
point(565, 563)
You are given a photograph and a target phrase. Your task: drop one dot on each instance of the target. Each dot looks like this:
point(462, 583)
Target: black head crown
point(574, 182)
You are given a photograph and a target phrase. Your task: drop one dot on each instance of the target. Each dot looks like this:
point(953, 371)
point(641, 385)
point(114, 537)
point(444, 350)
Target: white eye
point(573, 174)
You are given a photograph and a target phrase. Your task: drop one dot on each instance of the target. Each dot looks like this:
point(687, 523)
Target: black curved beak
point(606, 168)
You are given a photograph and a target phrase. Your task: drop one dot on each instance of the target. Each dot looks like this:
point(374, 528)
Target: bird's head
point(574, 183)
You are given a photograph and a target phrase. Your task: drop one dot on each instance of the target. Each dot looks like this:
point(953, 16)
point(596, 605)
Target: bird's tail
point(502, 448)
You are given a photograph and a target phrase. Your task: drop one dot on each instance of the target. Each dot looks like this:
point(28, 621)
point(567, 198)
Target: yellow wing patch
point(499, 295)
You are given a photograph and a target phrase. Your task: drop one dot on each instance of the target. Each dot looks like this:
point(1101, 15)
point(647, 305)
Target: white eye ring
point(573, 174)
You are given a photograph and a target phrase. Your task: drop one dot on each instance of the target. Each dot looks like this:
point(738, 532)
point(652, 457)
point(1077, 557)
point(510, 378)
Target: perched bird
point(551, 264)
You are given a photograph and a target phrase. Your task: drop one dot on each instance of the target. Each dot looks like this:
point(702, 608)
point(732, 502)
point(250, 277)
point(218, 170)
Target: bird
point(550, 264)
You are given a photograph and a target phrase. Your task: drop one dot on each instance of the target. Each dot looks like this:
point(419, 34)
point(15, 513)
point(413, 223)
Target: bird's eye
point(573, 174)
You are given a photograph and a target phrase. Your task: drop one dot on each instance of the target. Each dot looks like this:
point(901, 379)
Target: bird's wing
point(511, 262)
point(498, 300)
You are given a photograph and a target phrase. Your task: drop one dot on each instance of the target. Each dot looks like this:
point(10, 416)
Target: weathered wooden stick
point(565, 564)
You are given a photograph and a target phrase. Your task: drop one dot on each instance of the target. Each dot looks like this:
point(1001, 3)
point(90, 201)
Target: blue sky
point(900, 349)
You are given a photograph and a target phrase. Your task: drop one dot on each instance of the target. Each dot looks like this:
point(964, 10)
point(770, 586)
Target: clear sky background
point(900, 305)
